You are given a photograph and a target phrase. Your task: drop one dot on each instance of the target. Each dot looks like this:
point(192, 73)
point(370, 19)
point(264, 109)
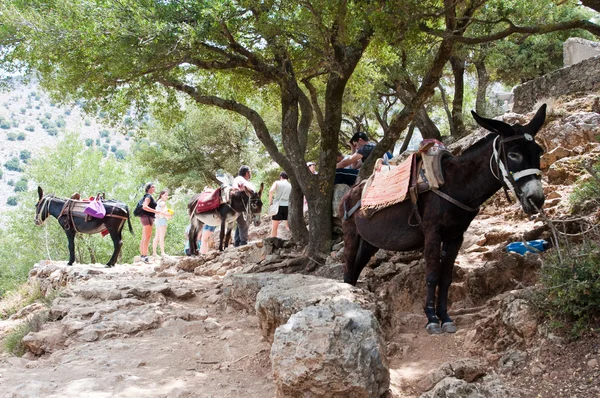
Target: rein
point(46, 201)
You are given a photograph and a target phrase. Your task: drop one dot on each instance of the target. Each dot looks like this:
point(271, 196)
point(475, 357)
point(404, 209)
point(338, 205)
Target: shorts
point(281, 215)
point(209, 228)
point(161, 222)
point(146, 220)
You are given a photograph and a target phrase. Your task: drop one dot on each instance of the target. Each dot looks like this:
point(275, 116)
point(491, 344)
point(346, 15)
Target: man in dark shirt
point(364, 149)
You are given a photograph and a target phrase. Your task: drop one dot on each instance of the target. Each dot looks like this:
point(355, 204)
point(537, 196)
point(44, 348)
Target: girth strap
point(348, 213)
point(454, 201)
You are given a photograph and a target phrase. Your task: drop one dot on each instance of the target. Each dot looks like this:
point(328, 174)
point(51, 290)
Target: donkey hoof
point(433, 328)
point(449, 327)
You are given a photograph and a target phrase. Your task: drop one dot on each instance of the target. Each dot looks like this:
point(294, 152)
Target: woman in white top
point(161, 222)
point(280, 194)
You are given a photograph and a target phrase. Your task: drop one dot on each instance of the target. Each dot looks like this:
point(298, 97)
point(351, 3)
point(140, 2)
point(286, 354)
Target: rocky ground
point(178, 326)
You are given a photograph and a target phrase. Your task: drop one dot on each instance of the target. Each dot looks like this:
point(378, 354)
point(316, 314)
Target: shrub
point(48, 115)
point(11, 136)
point(21, 136)
point(104, 133)
point(60, 122)
point(21, 185)
point(14, 341)
point(25, 155)
point(30, 128)
point(1, 173)
point(11, 182)
point(89, 141)
point(68, 112)
point(12, 201)
point(23, 111)
point(87, 122)
point(13, 165)
point(570, 294)
point(5, 124)
point(120, 154)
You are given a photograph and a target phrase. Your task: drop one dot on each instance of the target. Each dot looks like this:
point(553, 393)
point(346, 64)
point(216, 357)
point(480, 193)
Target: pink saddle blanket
point(209, 200)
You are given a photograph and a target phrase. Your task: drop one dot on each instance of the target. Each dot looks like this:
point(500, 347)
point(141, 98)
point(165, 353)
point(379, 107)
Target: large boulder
point(276, 302)
point(335, 349)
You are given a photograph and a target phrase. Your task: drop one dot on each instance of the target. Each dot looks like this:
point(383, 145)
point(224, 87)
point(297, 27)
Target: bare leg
point(146, 235)
point(162, 232)
point(274, 227)
point(206, 235)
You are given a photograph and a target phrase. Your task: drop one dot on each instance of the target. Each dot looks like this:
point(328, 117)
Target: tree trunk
point(411, 130)
point(296, 214)
point(458, 70)
point(483, 81)
point(406, 90)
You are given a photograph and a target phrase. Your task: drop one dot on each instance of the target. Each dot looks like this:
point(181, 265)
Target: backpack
point(138, 211)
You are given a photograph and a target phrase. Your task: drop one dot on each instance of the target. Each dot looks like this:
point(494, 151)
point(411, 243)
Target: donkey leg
point(71, 238)
point(116, 237)
point(449, 253)
point(351, 244)
point(432, 277)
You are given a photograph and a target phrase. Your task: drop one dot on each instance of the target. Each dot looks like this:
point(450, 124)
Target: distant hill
point(30, 123)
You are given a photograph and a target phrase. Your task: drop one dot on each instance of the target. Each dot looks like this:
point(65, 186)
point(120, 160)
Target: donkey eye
point(515, 157)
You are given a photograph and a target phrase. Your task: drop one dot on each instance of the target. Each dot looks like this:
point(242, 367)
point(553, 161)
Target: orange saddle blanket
point(209, 200)
point(387, 187)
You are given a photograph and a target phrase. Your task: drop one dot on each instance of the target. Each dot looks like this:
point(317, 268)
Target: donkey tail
point(129, 220)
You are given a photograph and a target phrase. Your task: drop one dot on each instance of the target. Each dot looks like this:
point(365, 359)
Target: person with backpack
point(146, 209)
point(279, 195)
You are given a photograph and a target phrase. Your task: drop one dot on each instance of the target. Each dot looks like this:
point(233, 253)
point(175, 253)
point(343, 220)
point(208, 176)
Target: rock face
point(277, 302)
point(330, 350)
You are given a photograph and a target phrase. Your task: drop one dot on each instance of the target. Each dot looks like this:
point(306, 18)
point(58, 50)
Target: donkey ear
point(495, 126)
point(262, 185)
point(40, 193)
point(537, 122)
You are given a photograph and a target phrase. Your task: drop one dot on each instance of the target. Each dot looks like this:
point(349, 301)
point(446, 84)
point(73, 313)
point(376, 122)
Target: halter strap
point(509, 178)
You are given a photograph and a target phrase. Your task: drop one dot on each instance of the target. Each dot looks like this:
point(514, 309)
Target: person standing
point(280, 193)
point(147, 219)
point(241, 181)
point(161, 222)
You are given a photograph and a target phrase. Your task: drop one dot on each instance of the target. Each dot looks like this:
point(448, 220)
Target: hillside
point(30, 123)
point(236, 324)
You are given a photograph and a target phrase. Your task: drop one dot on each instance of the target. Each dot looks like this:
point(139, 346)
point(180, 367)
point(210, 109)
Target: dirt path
point(221, 356)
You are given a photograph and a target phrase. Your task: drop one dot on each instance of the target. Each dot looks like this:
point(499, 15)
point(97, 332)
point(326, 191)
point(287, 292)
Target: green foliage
point(13, 342)
point(13, 164)
point(21, 185)
point(104, 133)
point(570, 293)
point(206, 141)
point(89, 141)
point(120, 154)
point(5, 124)
point(12, 201)
point(25, 155)
point(21, 136)
point(30, 128)
point(11, 136)
point(586, 196)
point(1, 173)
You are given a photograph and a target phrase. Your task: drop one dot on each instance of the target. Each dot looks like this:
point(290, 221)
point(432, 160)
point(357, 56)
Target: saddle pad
point(387, 188)
point(209, 200)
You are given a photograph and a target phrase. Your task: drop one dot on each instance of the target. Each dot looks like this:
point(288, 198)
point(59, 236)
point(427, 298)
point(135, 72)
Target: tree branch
point(586, 25)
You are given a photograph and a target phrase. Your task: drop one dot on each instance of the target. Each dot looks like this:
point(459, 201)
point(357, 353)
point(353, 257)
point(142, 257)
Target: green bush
point(13, 165)
point(21, 185)
point(120, 154)
point(12, 201)
point(25, 155)
point(570, 293)
point(104, 133)
point(21, 136)
point(5, 124)
point(586, 196)
point(1, 173)
point(89, 141)
point(87, 122)
point(11, 136)
point(30, 128)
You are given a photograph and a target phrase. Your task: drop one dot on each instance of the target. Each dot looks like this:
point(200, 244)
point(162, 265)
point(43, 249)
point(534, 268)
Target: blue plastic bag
point(533, 246)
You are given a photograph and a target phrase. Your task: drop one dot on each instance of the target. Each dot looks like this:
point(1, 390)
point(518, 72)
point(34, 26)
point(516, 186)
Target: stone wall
point(581, 77)
point(576, 49)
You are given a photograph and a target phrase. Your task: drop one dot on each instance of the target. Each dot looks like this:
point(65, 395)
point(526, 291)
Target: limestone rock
point(276, 302)
point(45, 341)
point(334, 349)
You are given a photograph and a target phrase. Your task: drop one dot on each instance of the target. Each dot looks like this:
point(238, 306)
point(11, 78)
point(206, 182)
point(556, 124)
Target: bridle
point(44, 203)
point(509, 178)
